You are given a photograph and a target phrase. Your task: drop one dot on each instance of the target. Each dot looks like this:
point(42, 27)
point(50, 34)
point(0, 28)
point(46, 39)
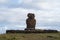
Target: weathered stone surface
point(30, 22)
point(31, 31)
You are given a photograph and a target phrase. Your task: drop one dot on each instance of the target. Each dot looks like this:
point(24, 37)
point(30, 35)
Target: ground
point(30, 36)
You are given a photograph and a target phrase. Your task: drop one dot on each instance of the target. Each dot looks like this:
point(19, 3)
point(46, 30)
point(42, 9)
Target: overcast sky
point(13, 13)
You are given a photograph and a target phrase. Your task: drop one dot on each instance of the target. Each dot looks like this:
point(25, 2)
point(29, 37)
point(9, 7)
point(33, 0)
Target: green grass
point(30, 36)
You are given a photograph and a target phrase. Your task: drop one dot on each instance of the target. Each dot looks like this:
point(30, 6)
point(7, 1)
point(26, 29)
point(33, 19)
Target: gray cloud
point(14, 12)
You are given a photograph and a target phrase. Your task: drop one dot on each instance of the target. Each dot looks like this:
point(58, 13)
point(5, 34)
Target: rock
point(30, 22)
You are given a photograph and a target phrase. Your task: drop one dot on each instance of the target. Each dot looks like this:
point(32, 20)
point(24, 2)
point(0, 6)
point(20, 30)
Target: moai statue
point(30, 21)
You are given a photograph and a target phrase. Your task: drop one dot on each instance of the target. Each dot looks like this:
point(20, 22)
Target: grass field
point(30, 36)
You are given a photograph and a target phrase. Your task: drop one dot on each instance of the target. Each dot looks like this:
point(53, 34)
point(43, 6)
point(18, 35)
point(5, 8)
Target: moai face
point(31, 16)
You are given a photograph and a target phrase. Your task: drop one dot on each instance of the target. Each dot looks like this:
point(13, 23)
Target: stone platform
point(31, 31)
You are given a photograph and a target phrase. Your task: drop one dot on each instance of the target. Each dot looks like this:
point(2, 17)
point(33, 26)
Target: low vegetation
point(30, 36)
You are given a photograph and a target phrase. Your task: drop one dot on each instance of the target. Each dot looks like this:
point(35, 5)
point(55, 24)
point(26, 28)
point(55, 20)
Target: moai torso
point(30, 21)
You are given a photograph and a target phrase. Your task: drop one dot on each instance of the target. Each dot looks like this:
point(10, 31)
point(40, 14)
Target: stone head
point(31, 15)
